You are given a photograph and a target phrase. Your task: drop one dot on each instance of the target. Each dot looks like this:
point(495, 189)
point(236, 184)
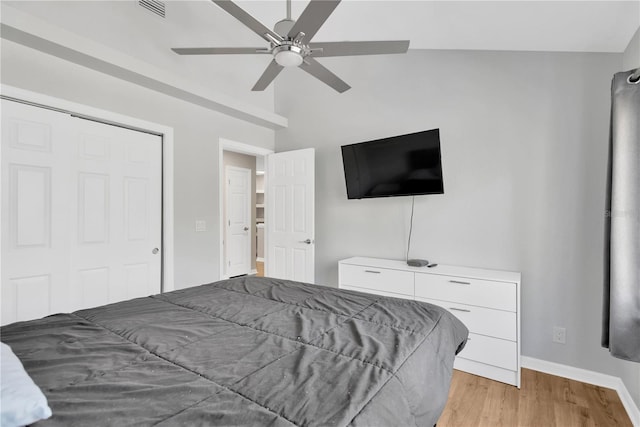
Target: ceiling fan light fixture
point(288, 56)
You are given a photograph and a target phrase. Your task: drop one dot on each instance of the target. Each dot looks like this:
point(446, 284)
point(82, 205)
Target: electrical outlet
point(559, 335)
point(201, 225)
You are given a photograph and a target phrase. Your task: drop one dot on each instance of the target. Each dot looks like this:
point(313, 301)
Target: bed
point(244, 351)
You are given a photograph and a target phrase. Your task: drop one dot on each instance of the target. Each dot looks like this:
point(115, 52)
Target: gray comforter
point(246, 351)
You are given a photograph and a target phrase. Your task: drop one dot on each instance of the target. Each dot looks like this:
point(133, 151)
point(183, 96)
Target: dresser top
point(440, 269)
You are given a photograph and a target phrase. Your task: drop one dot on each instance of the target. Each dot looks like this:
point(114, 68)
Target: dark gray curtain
point(621, 314)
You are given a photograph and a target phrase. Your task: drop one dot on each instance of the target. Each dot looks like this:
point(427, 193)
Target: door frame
point(109, 117)
point(237, 147)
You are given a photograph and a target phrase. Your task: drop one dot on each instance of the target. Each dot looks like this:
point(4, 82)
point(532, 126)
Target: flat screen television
point(403, 165)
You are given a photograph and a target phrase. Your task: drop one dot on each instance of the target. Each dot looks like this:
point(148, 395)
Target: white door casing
point(289, 221)
point(238, 221)
point(81, 206)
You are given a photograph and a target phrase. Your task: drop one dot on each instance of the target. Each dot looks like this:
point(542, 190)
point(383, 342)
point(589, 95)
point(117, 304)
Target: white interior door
point(117, 225)
point(289, 222)
point(81, 213)
point(35, 224)
point(238, 235)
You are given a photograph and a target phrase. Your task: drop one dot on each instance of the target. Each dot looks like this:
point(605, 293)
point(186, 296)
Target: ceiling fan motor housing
point(283, 27)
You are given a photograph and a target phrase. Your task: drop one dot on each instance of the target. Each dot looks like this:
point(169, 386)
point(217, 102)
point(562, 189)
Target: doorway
point(234, 245)
point(260, 214)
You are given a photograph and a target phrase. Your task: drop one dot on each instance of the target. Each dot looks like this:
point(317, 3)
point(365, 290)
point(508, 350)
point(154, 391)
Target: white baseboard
point(260, 259)
point(589, 377)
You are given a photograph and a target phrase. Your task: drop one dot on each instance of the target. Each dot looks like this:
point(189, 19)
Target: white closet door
point(35, 228)
point(117, 222)
point(81, 213)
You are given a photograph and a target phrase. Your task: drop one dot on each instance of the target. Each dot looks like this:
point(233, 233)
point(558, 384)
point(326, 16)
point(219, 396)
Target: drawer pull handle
point(372, 271)
point(459, 282)
point(459, 309)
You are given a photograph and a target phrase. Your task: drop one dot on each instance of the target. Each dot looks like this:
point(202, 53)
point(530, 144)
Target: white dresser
point(486, 301)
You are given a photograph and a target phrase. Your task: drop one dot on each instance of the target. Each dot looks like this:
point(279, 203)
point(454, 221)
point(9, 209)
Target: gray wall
point(524, 146)
point(196, 135)
point(631, 57)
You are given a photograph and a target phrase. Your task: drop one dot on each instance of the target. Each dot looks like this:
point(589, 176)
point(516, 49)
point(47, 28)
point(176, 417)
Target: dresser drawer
point(380, 279)
point(492, 351)
point(484, 293)
point(480, 320)
point(376, 292)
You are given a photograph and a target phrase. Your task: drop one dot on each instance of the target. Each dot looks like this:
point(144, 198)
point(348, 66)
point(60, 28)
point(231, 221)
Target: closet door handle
point(460, 309)
point(372, 271)
point(459, 282)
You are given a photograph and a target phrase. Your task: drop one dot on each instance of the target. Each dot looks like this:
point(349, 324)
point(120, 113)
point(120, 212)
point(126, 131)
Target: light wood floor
point(544, 400)
point(260, 268)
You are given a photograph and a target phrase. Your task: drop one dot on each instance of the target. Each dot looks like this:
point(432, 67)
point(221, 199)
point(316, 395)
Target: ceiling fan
point(290, 43)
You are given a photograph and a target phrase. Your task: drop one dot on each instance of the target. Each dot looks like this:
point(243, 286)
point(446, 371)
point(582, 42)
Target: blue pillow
point(22, 401)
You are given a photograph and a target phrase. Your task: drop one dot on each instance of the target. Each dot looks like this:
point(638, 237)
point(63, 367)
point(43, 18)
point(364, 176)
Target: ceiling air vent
point(155, 6)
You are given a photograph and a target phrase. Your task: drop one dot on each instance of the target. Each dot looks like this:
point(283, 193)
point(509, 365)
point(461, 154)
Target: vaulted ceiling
point(566, 26)
point(572, 26)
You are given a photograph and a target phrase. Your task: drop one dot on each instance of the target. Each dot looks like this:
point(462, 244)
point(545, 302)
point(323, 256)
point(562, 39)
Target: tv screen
point(402, 165)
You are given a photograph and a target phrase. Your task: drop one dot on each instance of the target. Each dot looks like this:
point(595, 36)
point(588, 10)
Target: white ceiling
point(580, 26)
point(568, 26)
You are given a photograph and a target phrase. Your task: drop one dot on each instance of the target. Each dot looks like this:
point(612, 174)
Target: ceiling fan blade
point(359, 48)
point(312, 18)
point(218, 50)
point(248, 20)
point(273, 69)
point(319, 71)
